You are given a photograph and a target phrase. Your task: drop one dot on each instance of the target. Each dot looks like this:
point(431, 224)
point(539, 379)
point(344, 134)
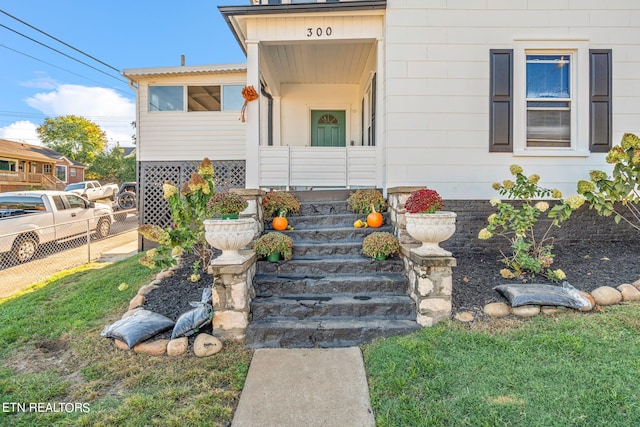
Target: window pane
point(232, 97)
point(61, 173)
point(548, 76)
point(203, 98)
point(549, 128)
point(166, 98)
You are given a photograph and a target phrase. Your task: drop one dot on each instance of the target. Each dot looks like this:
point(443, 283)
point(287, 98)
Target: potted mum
point(366, 201)
point(276, 205)
point(280, 203)
point(274, 245)
point(427, 223)
point(380, 245)
point(227, 205)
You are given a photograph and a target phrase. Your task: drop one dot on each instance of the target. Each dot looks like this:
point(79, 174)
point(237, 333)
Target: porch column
point(277, 136)
point(381, 143)
point(252, 114)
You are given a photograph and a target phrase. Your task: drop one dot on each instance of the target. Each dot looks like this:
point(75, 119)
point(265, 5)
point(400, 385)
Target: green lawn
point(52, 352)
point(571, 370)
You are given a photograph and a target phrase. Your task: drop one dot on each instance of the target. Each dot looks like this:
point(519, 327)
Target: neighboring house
point(25, 166)
point(445, 94)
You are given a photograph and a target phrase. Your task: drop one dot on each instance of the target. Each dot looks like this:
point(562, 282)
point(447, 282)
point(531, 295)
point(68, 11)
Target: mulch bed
point(588, 265)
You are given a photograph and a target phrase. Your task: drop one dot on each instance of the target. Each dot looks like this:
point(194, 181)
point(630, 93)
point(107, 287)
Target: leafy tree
point(113, 166)
point(75, 137)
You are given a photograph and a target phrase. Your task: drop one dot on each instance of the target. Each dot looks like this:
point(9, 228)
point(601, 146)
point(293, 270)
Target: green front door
point(328, 128)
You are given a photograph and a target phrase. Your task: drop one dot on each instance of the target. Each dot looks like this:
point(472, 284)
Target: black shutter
point(600, 97)
point(374, 89)
point(501, 98)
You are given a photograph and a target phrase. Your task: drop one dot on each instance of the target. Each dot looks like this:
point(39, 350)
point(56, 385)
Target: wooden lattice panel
point(154, 209)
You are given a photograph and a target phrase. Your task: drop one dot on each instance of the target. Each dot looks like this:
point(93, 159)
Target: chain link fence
point(30, 257)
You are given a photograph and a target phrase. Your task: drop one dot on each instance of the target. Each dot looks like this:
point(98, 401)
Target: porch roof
point(184, 70)
point(232, 13)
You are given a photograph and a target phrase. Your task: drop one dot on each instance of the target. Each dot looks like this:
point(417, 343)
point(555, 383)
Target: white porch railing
point(318, 166)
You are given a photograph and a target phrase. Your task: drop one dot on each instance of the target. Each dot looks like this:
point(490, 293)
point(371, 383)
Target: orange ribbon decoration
point(249, 94)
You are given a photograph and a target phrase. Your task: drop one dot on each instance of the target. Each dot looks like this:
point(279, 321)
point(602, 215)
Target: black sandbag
point(192, 320)
point(537, 294)
point(140, 326)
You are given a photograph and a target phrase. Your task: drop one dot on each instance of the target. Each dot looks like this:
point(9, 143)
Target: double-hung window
point(548, 97)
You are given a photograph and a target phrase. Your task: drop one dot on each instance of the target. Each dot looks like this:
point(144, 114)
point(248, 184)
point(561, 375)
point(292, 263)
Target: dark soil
point(588, 265)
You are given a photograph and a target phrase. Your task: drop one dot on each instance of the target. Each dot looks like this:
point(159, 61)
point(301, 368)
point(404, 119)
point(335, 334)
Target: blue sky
point(36, 82)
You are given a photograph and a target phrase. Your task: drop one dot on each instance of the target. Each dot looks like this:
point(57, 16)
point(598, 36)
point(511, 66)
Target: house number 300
point(318, 32)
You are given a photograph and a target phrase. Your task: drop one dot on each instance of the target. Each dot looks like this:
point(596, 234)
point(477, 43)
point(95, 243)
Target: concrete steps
point(329, 294)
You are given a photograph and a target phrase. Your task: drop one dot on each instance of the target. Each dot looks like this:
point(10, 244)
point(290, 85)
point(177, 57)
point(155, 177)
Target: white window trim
point(579, 49)
point(185, 97)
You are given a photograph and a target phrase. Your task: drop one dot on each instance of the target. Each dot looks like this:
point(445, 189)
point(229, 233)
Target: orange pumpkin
point(374, 219)
point(279, 223)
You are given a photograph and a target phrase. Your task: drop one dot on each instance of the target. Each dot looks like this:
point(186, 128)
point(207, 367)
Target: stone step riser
point(324, 208)
point(321, 334)
point(332, 265)
point(327, 249)
point(324, 221)
point(394, 284)
point(305, 307)
point(328, 235)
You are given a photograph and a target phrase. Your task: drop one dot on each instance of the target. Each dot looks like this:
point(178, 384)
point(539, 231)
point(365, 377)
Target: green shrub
point(602, 191)
point(531, 253)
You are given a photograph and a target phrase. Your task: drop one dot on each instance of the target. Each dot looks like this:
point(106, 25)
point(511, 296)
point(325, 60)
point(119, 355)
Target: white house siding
point(437, 86)
point(162, 136)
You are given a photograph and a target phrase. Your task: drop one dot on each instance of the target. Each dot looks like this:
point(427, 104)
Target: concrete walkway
point(305, 387)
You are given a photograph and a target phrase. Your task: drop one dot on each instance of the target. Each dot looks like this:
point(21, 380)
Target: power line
point(60, 68)
point(60, 41)
point(63, 54)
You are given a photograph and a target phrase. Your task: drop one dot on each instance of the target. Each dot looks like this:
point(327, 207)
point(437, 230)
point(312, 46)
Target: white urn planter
point(230, 235)
point(431, 229)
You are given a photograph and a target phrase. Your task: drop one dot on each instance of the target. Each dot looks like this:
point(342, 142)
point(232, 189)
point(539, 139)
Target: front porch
point(319, 73)
point(310, 167)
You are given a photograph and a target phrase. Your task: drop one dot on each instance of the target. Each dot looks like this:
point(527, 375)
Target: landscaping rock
point(606, 295)
point(465, 316)
point(146, 289)
point(591, 300)
point(206, 345)
point(554, 310)
point(152, 348)
point(497, 309)
point(178, 346)
point(629, 292)
point(137, 301)
point(121, 345)
point(526, 310)
point(164, 274)
point(637, 284)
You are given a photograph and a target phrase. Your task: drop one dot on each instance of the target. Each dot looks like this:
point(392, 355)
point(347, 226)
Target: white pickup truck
point(31, 218)
point(92, 190)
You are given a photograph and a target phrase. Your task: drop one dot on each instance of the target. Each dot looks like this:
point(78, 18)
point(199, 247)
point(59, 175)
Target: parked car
point(93, 190)
point(125, 200)
point(31, 218)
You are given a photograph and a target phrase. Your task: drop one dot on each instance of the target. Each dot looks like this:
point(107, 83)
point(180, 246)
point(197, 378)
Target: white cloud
point(105, 107)
point(22, 131)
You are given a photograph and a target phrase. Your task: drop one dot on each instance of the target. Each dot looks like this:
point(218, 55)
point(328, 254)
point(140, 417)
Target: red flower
point(424, 201)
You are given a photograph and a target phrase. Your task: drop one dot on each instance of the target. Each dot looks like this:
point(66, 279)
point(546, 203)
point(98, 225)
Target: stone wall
point(585, 225)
